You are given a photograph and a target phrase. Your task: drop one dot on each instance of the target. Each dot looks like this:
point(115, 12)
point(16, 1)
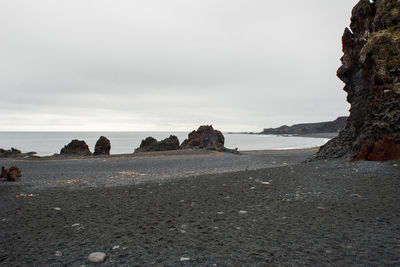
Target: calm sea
point(48, 143)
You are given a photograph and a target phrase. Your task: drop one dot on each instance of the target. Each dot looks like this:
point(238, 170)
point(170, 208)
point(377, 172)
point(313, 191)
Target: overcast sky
point(241, 65)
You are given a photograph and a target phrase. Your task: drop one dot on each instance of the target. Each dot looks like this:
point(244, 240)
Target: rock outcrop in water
point(309, 128)
point(371, 73)
point(205, 137)
point(76, 147)
point(151, 144)
point(102, 147)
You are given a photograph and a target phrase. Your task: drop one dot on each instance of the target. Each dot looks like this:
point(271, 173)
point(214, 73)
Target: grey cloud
point(168, 65)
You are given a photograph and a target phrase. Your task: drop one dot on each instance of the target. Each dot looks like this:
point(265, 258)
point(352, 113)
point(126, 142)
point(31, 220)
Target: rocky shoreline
point(285, 213)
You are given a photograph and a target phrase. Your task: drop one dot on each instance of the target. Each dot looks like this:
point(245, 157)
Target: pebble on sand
point(58, 253)
point(57, 208)
point(242, 212)
point(185, 259)
point(97, 257)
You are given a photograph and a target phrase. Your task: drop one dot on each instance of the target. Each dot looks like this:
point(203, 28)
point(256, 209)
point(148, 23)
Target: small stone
point(250, 178)
point(252, 188)
point(395, 165)
point(97, 257)
point(242, 212)
point(58, 253)
point(115, 247)
point(185, 259)
point(220, 212)
point(266, 183)
point(75, 224)
point(57, 208)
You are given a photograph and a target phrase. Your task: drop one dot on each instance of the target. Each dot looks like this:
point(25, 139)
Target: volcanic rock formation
point(11, 174)
point(76, 147)
point(205, 137)
point(151, 144)
point(102, 147)
point(371, 73)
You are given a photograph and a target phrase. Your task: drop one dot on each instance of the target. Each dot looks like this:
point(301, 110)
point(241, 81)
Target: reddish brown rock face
point(13, 173)
point(3, 172)
point(371, 73)
point(386, 148)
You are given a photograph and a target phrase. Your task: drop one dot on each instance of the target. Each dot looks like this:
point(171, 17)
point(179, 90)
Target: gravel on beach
point(281, 213)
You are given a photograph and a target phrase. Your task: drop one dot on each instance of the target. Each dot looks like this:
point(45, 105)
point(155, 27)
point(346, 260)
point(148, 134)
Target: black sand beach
point(200, 208)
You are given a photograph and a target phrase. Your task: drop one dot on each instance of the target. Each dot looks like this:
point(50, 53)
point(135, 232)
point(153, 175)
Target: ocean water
point(48, 143)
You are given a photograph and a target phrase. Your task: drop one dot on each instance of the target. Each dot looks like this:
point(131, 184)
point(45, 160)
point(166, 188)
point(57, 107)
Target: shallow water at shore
point(49, 143)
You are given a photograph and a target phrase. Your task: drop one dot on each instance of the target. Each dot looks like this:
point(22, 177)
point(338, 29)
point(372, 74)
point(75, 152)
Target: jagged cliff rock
point(151, 144)
point(102, 147)
point(309, 128)
point(205, 137)
point(76, 147)
point(371, 73)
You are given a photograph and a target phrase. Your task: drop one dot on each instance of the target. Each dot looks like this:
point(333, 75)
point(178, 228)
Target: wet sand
point(275, 210)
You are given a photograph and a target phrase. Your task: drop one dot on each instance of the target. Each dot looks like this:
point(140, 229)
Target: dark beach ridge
point(201, 208)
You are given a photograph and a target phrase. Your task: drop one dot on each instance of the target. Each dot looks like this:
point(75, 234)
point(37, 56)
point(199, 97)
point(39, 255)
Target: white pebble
point(56, 208)
point(242, 212)
point(185, 259)
point(220, 212)
point(75, 224)
point(395, 165)
point(252, 188)
point(58, 253)
point(115, 247)
point(97, 257)
point(266, 183)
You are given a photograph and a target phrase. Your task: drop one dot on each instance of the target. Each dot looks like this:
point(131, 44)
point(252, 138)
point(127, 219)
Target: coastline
point(294, 214)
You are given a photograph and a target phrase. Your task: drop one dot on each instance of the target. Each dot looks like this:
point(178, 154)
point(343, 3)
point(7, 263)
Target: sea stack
point(371, 73)
point(151, 144)
point(205, 137)
point(76, 147)
point(102, 147)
